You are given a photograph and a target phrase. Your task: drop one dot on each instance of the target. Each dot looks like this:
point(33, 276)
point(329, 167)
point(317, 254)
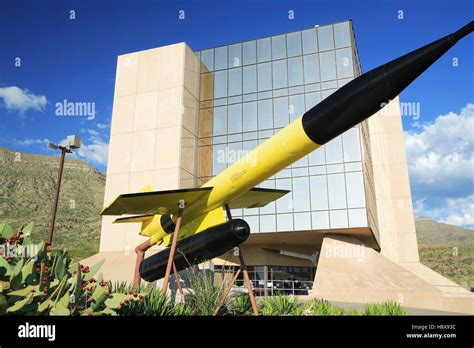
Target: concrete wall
point(153, 138)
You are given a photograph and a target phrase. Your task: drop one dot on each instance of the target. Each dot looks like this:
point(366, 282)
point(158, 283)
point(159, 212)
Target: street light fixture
point(73, 142)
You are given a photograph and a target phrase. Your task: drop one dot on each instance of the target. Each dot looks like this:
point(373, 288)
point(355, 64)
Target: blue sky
point(75, 60)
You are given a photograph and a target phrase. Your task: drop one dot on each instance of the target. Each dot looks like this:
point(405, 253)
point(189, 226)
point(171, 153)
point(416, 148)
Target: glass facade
point(256, 88)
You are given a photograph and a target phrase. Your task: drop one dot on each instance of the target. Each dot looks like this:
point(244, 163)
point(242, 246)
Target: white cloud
point(29, 142)
point(441, 165)
point(101, 126)
point(15, 98)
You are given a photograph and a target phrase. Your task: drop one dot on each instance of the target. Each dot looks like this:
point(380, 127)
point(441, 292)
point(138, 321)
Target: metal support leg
point(172, 250)
point(140, 251)
point(243, 267)
point(227, 292)
point(178, 282)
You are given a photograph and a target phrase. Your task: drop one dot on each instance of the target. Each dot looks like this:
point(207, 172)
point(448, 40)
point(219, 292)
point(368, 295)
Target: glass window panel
point(342, 34)
point(293, 42)
point(337, 192)
point(280, 111)
point(357, 218)
point(344, 63)
point(334, 151)
point(207, 58)
point(311, 68)
point(295, 71)
point(220, 60)
point(329, 84)
point(265, 134)
point(220, 84)
point(264, 51)
point(335, 168)
point(319, 192)
point(235, 99)
point(318, 170)
point(249, 145)
point(284, 204)
point(267, 223)
point(284, 222)
point(328, 65)
point(235, 55)
point(265, 114)
point(264, 76)
point(296, 90)
point(249, 97)
point(235, 81)
point(280, 75)
point(250, 79)
point(234, 137)
point(301, 194)
point(250, 116)
point(296, 106)
point(220, 121)
point(265, 95)
point(235, 118)
point(220, 102)
point(351, 143)
point(325, 38)
point(320, 220)
point(253, 223)
point(299, 172)
point(352, 167)
point(302, 221)
point(218, 156)
point(310, 41)
point(280, 92)
point(338, 218)
point(312, 87)
point(312, 99)
point(234, 151)
point(250, 135)
point(284, 173)
point(317, 157)
point(219, 140)
point(278, 47)
point(249, 51)
point(355, 190)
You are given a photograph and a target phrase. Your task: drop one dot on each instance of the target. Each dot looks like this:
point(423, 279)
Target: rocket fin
point(154, 202)
point(256, 198)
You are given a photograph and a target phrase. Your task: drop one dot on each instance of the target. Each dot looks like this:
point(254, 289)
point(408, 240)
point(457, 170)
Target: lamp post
point(73, 142)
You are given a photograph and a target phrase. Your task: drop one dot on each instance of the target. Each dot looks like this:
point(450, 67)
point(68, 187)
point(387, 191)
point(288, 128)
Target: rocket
point(236, 186)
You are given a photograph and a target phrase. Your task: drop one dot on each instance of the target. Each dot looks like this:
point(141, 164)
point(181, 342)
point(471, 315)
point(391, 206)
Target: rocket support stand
point(243, 269)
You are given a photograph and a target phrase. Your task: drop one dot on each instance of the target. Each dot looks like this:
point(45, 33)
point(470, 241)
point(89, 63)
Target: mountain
point(447, 249)
point(27, 187)
point(430, 232)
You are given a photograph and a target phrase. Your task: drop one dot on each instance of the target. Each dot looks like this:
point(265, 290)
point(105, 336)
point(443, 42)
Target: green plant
point(37, 281)
point(204, 296)
point(240, 305)
point(385, 308)
point(323, 307)
point(281, 305)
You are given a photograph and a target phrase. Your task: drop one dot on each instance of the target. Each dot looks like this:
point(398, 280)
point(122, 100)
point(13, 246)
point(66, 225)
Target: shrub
point(323, 307)
point(385, 308)
point(240, 305)
point(204, 296)
point(281, 305)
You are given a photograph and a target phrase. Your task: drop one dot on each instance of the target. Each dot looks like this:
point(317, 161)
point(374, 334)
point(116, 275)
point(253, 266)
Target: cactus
point(45, 284)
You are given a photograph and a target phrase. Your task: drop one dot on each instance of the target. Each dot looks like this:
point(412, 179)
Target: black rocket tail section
point(203, 246)
point(365, 95)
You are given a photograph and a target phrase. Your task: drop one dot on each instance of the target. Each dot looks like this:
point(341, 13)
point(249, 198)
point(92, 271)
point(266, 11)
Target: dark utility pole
point(64, 150)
